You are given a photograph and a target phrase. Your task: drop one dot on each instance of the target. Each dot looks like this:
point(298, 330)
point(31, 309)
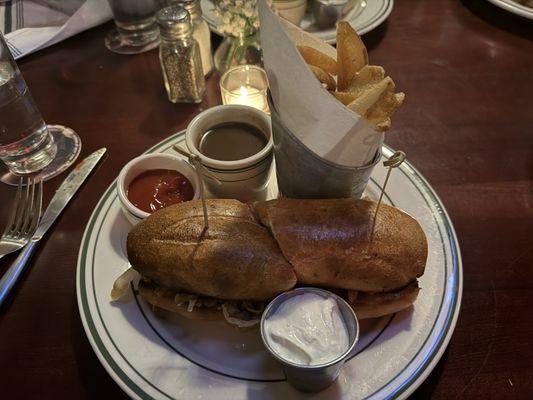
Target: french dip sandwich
point(249, 254)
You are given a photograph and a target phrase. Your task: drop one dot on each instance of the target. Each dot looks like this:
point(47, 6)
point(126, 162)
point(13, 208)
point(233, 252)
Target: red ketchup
point(159, 188)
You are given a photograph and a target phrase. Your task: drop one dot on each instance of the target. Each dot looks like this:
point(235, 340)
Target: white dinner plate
point(514, 7)
point(159, 355)
point(366, 16)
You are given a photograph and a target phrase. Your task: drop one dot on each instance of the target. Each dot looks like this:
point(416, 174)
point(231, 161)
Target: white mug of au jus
point(234, 143)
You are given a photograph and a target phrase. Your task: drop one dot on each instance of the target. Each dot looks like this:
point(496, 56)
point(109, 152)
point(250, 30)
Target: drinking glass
point(27, 144)
point(135, 27)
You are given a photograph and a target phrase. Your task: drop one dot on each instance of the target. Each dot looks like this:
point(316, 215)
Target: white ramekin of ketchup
point(154, 181)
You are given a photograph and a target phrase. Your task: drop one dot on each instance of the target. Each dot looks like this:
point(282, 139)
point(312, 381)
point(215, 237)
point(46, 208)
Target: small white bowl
point(247, 179)
point(148, 162)
point(292, 10)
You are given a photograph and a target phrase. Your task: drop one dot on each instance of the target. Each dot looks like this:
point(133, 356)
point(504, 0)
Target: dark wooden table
point(467, 125)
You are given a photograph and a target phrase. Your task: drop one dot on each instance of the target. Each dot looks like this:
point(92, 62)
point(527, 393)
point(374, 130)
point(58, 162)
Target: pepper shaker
point(179, 54)
point(201, 31)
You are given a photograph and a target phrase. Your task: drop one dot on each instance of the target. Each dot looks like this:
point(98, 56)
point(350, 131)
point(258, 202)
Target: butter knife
point(62, 196)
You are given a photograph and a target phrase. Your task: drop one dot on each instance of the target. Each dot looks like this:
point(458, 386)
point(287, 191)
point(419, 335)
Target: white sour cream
point(307, 329)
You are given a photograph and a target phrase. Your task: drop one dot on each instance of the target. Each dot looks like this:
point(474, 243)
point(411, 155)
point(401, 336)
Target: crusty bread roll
point(322, 243)
point(328, 243)
point(235, 259)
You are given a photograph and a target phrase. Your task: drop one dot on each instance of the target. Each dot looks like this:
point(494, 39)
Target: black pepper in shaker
point(180, 58)
point(201, 31)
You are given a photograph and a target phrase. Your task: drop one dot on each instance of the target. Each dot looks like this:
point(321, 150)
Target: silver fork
point(24, 217)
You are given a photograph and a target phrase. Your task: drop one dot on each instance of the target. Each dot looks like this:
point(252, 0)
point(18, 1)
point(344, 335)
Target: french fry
point(324, 77)
point(381, 111)
point(344, 97)
point(384, 125)
point(368, 75)
point(370, 96)
point(318, 59)
point(362, 88)
point(351, 54)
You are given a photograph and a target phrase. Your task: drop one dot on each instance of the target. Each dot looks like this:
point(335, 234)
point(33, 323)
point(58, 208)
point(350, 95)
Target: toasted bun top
point(328, 242)
point(235, 259)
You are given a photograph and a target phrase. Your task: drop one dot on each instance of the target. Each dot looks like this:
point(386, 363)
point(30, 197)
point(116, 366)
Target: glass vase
point(238, 50)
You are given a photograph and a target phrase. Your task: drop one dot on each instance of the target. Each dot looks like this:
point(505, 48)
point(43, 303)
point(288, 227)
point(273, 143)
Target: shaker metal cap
point(174, 22)
point(193, 7)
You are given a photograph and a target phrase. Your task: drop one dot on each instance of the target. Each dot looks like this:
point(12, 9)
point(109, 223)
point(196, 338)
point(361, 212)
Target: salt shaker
point(200, 32)
point(180, 58)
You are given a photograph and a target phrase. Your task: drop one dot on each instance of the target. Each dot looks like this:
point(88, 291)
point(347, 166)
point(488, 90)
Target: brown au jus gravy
point(232, 141)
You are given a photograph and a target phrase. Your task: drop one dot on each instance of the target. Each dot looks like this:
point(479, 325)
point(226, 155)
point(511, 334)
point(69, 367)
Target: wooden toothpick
point(199, 168)
point(394, 161)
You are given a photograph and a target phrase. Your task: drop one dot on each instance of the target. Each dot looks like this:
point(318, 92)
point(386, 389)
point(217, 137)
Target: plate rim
point(514, 8)
point(377, 19)
point(457, 262)
point(408, 386)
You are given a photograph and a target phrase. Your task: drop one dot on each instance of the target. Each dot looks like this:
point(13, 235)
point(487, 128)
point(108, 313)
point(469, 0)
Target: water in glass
point(25, 143)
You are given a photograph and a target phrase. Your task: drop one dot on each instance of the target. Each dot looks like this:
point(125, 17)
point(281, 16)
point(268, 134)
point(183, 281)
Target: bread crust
point(374, 305)
point(328, 243)
point(235, 259)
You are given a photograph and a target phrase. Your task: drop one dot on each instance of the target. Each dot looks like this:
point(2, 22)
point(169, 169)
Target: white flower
point(248, 11)
point(238, 16)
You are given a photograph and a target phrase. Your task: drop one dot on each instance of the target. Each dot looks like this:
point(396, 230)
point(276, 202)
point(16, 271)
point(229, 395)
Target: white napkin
point(313, 115)
point(29, 26)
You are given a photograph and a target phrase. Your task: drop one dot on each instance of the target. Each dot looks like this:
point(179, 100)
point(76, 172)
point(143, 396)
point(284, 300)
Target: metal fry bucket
point(303, 174)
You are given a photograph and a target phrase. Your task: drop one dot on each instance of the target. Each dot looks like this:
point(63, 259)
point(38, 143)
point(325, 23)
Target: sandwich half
point(329, 244)
point(225, 272)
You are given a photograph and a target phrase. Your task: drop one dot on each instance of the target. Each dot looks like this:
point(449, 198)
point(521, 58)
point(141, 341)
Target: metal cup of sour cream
point(311, 332)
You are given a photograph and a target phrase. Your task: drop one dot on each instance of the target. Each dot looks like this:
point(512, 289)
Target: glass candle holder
point(246, 85)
